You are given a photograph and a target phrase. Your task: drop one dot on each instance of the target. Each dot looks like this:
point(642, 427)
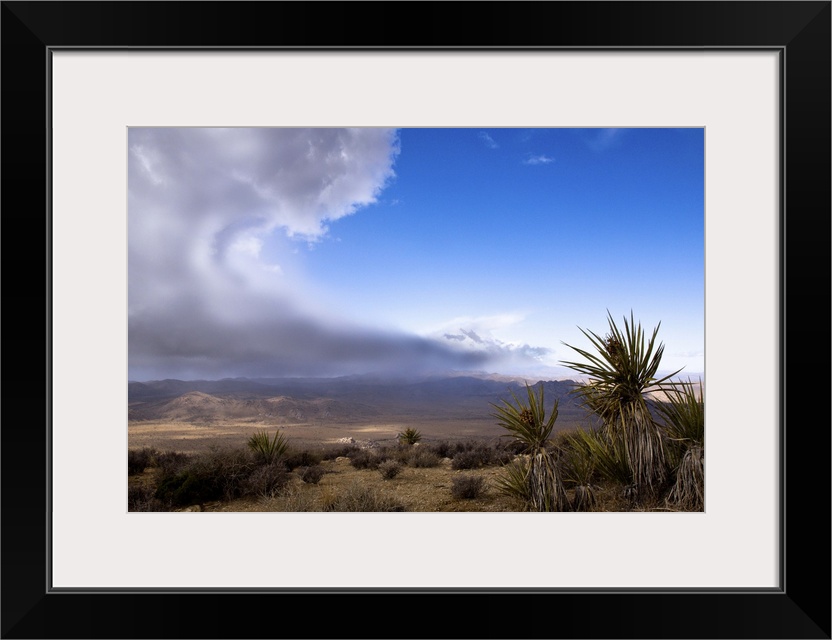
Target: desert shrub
point(467, 487)
point(339, 451)
point(301, 459)
point(515, 447)
point(170, 461)
point(365, 459)
point(268, 450)
point(139, 459)
point(266, 481)
point(423, 459)
point(442, 448)
point(410, 436)
point(501, 454)
point(294, 498)
point(220, 474)
point(399, 452)
point(360, 498)
point(491, 453)
point(312, 474)
point(389, 469)
point(467, 460)
point(142, 498)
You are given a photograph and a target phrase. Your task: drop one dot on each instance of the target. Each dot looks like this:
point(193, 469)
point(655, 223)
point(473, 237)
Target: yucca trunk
point(689, 490)
point(584, 498)
point(546, 489)
point(645, 450)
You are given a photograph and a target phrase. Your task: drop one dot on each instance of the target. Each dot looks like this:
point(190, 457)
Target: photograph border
point(799, 31)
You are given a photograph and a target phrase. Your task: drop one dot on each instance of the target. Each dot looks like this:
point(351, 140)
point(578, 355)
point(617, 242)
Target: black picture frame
point(799, 31)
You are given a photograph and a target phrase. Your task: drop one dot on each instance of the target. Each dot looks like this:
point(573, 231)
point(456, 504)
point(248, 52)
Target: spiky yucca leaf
point(607, 457)
point(683, 414)
point(410, 436)
point(514, 481)
point(266, 448)
point(621, 371)
point(526, 421)
point(684, 425)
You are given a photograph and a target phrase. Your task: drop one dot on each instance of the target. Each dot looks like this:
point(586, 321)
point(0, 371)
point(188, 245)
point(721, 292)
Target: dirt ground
point(413, 490)
point(193, 438)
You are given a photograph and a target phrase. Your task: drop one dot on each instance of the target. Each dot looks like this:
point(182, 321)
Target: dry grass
point(425, 490)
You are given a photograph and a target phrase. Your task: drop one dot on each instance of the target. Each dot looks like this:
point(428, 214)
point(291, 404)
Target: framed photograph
point(109, 104)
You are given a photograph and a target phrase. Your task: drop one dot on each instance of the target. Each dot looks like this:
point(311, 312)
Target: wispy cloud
point(603, 139)
point(488, 140)
point(539, 159)
point(477, 335)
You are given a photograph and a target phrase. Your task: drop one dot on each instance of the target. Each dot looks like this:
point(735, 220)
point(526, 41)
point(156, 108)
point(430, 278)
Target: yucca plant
point(580, 471)
point(683, 414)
point(528, 425)
point(268, 450)
point(607, 458)
point(410, 436)
point(514, 481)
point(621, 373)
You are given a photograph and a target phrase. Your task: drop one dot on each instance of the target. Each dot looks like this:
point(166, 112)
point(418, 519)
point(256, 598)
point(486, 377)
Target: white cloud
point(214, 288)
point(480, 335)
point(488, 140)
point(539, 159)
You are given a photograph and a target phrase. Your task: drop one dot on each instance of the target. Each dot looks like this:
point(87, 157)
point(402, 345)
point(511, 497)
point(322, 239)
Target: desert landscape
point(431, 444)
point(194, 416)
point(386, 319)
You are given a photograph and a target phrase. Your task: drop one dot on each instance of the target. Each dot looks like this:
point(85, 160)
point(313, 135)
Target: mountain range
point(348, 399)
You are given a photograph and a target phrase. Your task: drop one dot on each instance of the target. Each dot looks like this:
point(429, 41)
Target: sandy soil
point(192, 438)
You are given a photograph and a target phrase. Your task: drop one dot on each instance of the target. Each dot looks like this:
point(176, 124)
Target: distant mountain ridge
point(346, 399)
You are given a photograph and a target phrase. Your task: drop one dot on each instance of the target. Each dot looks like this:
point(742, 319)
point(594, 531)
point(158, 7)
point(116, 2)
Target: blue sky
point(327, 252)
